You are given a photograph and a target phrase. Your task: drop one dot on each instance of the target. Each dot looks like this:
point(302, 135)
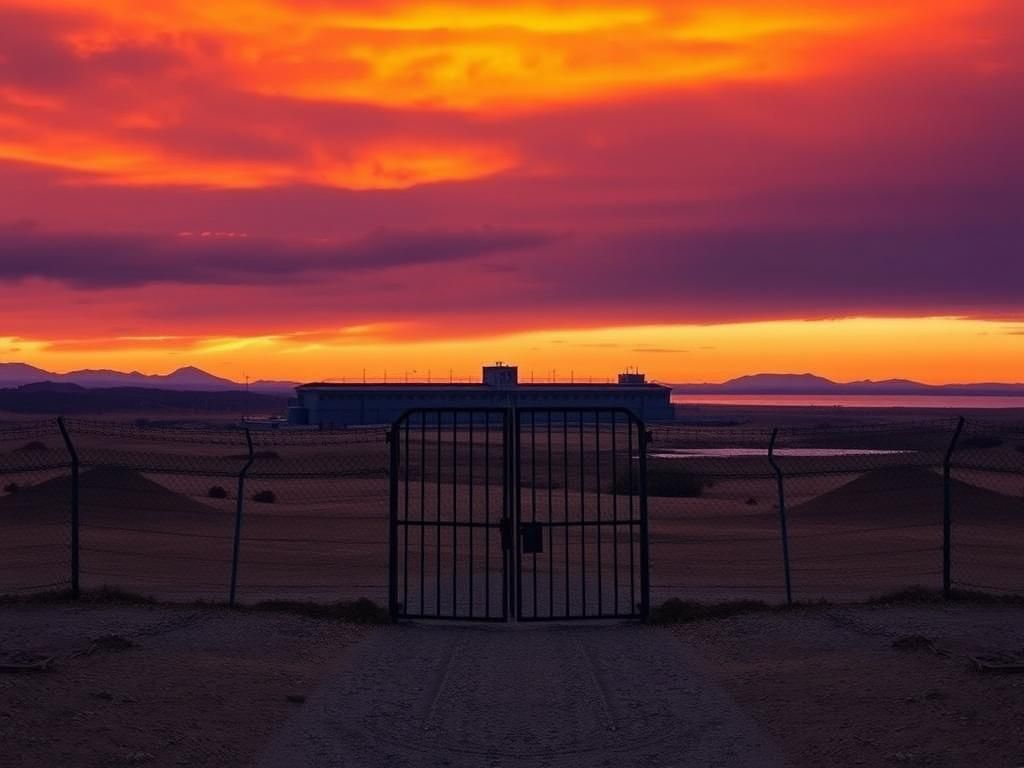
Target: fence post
point(947, 513)
point(783, 526)
point(238, 517)
point(645, 438)
point(75, 589)
point(394, 459)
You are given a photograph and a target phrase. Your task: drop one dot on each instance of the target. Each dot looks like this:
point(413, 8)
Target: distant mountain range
point(67, 398)
point(187, 379)
point(192, 379)
point(809, 384)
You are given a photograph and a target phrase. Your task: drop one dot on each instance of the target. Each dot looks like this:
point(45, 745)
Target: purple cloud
point(91, 260)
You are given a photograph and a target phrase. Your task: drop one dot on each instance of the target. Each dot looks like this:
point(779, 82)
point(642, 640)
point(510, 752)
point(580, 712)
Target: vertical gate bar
point(455, 511)
point(645, 576)
point(533, 497)
point(506, 509)
point(423, 512)
point(405, 523)
point(487, 515)
point(597, 509)
point(517, 560)
point(582, 516)
point(472, 530)
point(565, 487)
point(551, 529)
point(632, 516)
point(437, 557)
point(393, 437)
point(615, 511)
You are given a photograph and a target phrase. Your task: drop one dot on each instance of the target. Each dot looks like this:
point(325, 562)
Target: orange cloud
point(383, 166)
point(110, 84)
point(478, 55)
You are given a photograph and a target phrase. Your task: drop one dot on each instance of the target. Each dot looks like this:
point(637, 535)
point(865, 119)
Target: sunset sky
point(303, 189)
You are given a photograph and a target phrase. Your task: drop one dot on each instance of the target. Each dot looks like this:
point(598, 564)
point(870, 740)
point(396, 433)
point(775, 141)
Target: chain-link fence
point(35, 509)
point(830, 512)
point(986, 489)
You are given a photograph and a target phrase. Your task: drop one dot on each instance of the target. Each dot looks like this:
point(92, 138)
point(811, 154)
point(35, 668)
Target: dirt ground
point(210, 687)
point(195, 687)
point(158, 508)
point(830, 686)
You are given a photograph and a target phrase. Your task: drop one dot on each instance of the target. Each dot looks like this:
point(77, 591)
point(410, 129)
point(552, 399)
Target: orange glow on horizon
point(934, 350)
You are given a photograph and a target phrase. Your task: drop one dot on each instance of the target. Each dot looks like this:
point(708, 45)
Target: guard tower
point(632, 377)
point(501, 375)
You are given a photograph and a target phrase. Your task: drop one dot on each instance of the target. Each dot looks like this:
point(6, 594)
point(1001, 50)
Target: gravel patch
point(874, 686)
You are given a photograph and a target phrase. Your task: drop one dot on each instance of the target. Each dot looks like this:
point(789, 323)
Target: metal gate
point(528, 513)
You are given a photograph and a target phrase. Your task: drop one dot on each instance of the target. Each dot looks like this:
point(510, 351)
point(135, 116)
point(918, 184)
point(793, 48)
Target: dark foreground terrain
point(843, 686)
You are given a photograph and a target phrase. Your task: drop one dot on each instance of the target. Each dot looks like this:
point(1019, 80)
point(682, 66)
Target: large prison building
point(344, 405)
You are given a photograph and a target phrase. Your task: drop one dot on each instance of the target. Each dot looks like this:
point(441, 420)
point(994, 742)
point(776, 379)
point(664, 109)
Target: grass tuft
point(676, 611)
point(980, 442)
point(919, 595)
point(915, 594)
point(361, 611)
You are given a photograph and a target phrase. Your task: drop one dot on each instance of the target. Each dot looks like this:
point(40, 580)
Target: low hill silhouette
point(64, 398)
point(908, 496)
point(107, 496)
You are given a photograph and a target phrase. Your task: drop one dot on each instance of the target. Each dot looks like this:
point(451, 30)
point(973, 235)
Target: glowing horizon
point(842, 350)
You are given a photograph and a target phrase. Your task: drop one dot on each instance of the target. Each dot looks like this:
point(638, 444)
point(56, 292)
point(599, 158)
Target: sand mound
point(911, 496)
point(106, 495)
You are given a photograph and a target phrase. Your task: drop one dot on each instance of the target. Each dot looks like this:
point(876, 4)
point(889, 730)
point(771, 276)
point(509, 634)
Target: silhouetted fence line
point(835, 512)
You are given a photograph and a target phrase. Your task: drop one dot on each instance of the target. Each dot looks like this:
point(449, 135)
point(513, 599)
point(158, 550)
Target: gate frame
point(643, 439)
point(511, 506)
point(394, 442)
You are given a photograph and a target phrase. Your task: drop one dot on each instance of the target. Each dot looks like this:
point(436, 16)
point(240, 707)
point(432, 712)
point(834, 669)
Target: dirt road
point(616, 695)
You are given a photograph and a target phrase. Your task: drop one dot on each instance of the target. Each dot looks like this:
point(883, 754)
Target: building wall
point(344, 406)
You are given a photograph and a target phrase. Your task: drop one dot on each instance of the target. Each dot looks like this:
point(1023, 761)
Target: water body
point(957, 402)
point(730, 453)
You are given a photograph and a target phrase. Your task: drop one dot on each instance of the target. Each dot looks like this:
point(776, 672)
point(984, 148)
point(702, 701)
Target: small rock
point(296, 698)
point(112, 643)
point(901, 757)
point(912, 643)
point(105, 695)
